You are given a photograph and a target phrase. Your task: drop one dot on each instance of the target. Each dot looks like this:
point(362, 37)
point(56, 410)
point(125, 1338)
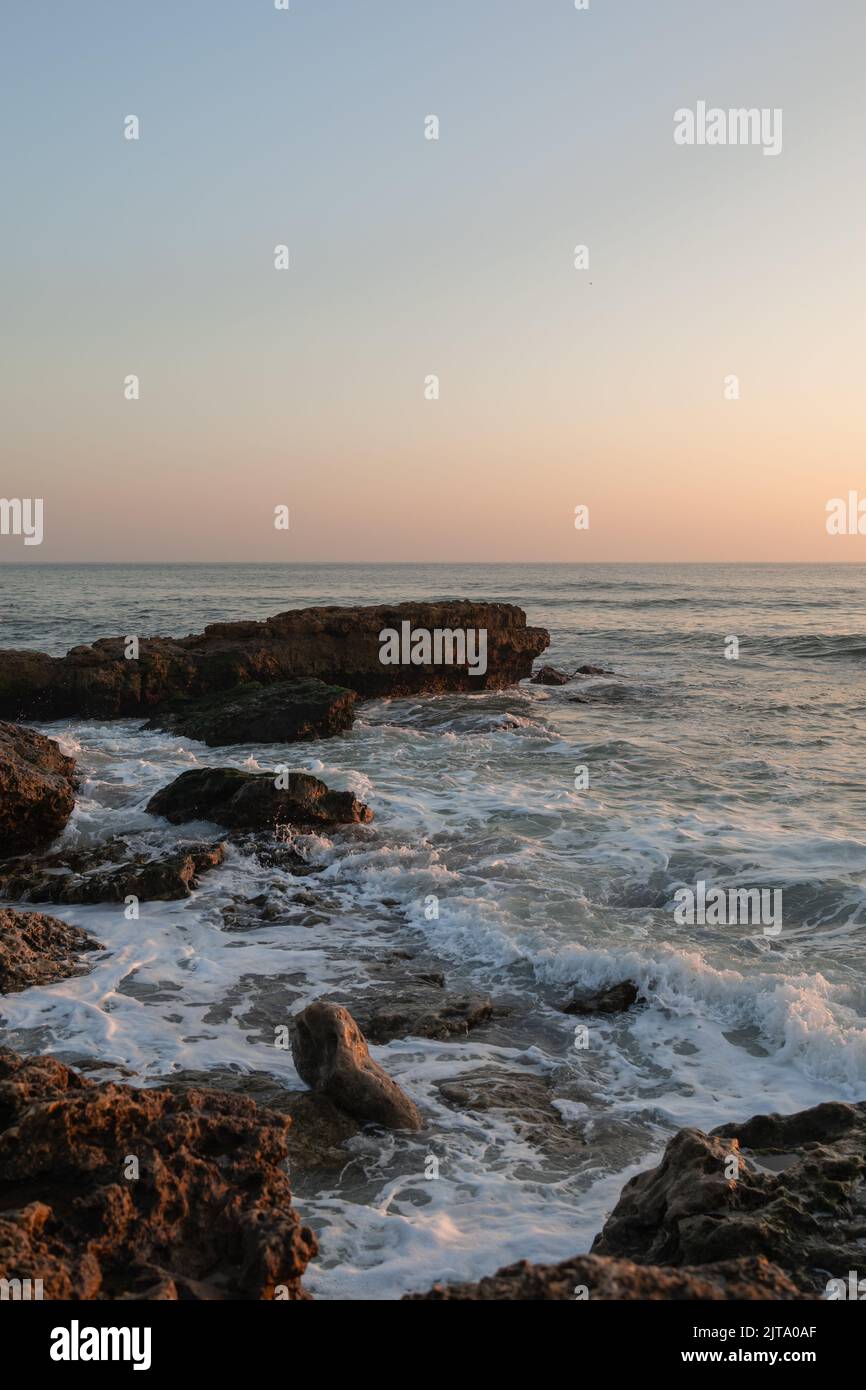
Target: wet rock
point(36, 789)
point(87, 876)
point(419, 1009)
point(549, 675)
point(593, 671)
point(285, 712)
point(799, 1197)
point(614, 1000)
point(606, 1279)
point(37, 950)
point(208, 1217)
point(339, 646)
point(525, 1100)
point(332, 1058)
point(251, 800)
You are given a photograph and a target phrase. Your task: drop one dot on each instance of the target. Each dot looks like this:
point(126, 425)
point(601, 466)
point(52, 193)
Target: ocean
point(739, 772)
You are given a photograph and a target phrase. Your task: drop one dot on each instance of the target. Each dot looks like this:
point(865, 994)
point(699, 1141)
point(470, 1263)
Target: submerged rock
point(340, 646)
point(94, 876)
point(525, 1101)
point(36, 789)
point(282, 713)
point(798, 1198)
point(332, 1057)
point(204, 1212)
point(549, 675)
point(37, 950)
point(418, 1008)
point(604, 1279)
point(614, 1000)
point(252, 801)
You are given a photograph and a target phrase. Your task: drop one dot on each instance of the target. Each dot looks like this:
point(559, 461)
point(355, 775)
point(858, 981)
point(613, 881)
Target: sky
point(607, 387)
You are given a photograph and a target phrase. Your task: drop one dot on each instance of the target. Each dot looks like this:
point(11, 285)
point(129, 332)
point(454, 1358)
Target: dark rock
point(36, 789)
point(332, 1057)
point(281, 713)
point(37, 950)
point(339, 646)
point(606, 1280)
point(798, 1198)
point(251, 801)
point(208, 1217)
point(525, 1100)
point(420, 1010)
point(614, 1000)
point(593, 671)
point(548, 675)
point(86, 876)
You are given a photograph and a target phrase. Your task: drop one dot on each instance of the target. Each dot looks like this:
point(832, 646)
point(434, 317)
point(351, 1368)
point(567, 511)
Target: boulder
point(798, 1198)
point(36, 789)
point(252, 801)
point(339, 646)
point(207, 1217)
point(549, 675)
point(605, 1280)
point(332, 1058)
point(614, 1000)
point(90, 876)
point(37, 950)
point(285, 712)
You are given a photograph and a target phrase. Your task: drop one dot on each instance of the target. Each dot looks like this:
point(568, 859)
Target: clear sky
point(411, 257)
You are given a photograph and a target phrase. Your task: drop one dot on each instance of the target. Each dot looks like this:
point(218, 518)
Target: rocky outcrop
point(285, 712)
point(252, 800)
point(614, 1000)
point(37, 950)
point(798, 1198)
point(340, 646)
point(332, 1058)
point(549, 675)
point(36, 789)
point(112, 1192)
point(109, 873)
point(604, 1279)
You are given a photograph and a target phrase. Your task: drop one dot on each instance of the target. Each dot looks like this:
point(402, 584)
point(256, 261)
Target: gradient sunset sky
point(411, 257)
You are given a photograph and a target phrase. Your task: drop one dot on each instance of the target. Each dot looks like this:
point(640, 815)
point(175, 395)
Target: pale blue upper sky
point(411, 257)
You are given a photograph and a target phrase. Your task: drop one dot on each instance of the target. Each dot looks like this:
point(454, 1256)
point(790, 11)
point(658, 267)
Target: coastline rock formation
point(332, 1058)
point(37, 950)
point(604, 1279)
point(251, 800)
point(36, 789)
point(109, 873)
point(338, 646)
point(798, 1198)
point(285, 712)
point(204, 1213)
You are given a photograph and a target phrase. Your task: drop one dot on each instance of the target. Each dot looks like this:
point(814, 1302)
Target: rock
point(614, 1000)
point(593, 671)
point(209, 1216)
point(332, 1057)
point(607, 1280)
point(282, 713)
point(37, 950)
point(339, 646)
point(83, 876)
point(251, 801)
point(525, 1101)
point(548, 675)
point(36, 789)
point(420, 1010)
point(798, 1198)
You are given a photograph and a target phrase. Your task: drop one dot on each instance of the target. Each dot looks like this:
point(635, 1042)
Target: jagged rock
point(332, 1057)
point(614, 1000)
point(83, 876)
point(281, 713)
point(799, 1197)
point(251, 801)
point(339, 646)
point(606, 1280)
point(549, 675)
point(37, 950)
point(36, 789)
point(208, 1217)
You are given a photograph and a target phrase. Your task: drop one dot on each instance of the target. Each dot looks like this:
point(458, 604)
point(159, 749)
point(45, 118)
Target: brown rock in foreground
point(36, 788)
point(332, 1057)
point(798, 1198)
point(600, 1278)
point(37, 950)
point(208, 1217)
point(252, 800)
point(335, 645)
